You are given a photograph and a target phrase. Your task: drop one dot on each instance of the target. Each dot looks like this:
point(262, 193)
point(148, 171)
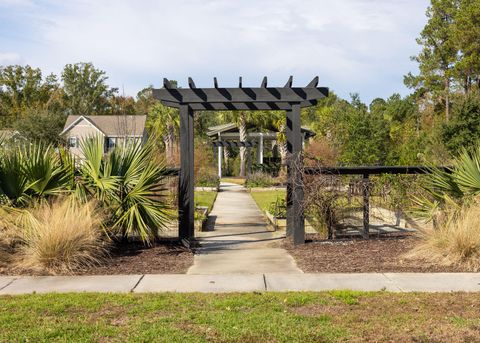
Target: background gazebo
point(228, 135)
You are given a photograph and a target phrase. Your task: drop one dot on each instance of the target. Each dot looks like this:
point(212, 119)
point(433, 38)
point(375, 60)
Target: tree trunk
point(226, 155)
point(169, 140)
point(242, 128)
point(282, 147)
point(447, 99)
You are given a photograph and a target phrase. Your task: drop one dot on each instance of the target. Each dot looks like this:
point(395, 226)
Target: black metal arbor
point(288, 98)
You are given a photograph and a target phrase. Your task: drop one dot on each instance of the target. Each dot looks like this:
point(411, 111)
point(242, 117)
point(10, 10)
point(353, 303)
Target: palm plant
point(33, 171)
point(450, 190)
point(165, 123)
point(130, 184)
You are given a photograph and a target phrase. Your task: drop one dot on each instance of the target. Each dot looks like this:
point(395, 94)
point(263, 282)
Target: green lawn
point(254, 317)
point(203, 198)
point(265, 198)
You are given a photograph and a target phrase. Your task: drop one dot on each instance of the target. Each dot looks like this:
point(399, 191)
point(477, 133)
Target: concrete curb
point(225, 283)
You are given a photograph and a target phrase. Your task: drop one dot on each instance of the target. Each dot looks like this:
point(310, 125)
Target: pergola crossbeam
point(246, 106)
point(240, 95)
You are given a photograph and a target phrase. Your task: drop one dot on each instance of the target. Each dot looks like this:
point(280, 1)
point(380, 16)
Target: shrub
point(207, 180)
point(278, 208)
point(62, 237)
point(129, 184)
point(259, 179)
point(456, 242)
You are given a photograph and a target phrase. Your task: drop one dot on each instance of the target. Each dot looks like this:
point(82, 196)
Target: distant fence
point(366, 171)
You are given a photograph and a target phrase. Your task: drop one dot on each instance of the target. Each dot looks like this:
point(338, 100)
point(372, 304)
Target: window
point(73, 142)
point(111, 142)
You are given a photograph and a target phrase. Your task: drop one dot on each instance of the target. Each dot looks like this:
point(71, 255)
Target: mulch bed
point(377, 255)
point(166, 257)
point(135, 258)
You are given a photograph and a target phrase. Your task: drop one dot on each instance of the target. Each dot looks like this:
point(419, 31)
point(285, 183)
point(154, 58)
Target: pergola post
point(295, 215)
point(186, 182)
point(260, 149)
point(220, 153)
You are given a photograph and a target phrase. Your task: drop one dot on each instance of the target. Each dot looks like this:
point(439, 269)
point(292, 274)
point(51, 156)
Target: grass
point(254, 317)
point(265, 198)
point(60, 237)
point(205, 198)
point(456, 242)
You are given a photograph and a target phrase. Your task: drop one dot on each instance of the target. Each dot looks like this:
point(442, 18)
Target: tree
point(463, 131)
point(165, 121)
point(41, 125)
point(86, 91)
point(439, 52)
point(361, 137)
point(23, 88)
point(467, 38)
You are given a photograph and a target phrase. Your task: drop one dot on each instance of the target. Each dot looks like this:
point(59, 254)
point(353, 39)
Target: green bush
point(278, 208)
point(259, 179)
point(207, 180)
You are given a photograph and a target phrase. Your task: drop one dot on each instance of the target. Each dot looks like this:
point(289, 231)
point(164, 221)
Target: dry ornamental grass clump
point(456, 242)
point(62, 237)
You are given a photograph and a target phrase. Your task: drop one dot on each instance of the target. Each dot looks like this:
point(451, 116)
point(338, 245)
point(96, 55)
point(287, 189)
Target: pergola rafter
point(288, 98)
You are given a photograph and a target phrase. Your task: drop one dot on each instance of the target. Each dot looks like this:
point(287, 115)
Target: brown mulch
point(134, 258)
point(165, 257)
point(376, 255)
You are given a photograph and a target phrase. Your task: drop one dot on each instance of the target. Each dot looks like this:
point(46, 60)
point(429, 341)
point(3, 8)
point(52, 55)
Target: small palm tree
point(130, 184)
point(165, 123)
point(34, 171)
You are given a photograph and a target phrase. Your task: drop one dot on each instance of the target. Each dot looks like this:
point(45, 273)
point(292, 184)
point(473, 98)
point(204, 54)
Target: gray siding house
point(115, 129)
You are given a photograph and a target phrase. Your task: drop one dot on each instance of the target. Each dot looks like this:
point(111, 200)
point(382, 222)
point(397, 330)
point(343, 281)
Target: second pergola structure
point(288, 98)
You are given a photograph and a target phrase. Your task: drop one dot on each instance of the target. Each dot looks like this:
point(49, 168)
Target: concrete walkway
point(393, 282)
point(239, 240)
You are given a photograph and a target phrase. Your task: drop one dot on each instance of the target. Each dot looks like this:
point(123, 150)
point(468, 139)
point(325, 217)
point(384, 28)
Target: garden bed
point(165, 257)
point(377, 255)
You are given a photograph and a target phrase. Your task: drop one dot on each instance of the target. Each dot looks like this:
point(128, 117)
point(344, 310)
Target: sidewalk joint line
point(8, 284)
point(265, 282)
point(393, 282)
point(138, 282)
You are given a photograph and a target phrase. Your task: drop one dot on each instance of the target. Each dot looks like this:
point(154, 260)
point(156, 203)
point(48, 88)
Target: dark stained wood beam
point(313, 83)
point(289, 82)
point(238, 95)
point(167, 84)
point(215, 82)
point(247, 106)
point(191, 84)
point(240, 84)
point(264, 82)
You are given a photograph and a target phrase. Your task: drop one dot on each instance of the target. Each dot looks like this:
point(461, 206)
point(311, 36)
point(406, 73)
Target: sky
point(354, 46)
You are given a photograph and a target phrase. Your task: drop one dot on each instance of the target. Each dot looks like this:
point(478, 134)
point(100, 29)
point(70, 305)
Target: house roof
point(111, 125)
point(232, 127)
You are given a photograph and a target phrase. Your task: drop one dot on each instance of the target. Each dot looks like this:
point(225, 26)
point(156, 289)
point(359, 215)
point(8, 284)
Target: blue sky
point(358, 46)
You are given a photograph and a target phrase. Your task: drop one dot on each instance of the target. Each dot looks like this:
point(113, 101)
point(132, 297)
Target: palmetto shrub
point(129, 183)
point(33, 171)
point(453, 206)
point(62, 237)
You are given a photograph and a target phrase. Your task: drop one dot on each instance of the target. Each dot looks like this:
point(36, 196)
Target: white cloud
point(353, 45)
point(7, 58)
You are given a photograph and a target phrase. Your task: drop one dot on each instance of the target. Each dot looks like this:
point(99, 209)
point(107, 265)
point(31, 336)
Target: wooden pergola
point(288, 98)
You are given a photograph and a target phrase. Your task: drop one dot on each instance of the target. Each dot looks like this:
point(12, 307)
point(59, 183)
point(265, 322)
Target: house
point(115, 129)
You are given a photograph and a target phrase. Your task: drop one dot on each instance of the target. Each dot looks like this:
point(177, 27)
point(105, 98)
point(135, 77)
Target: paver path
point(239, 240)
